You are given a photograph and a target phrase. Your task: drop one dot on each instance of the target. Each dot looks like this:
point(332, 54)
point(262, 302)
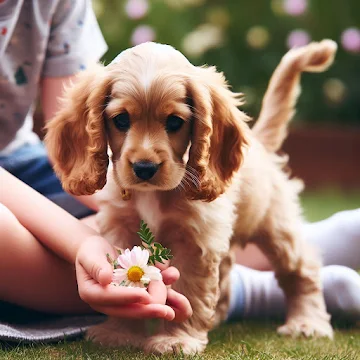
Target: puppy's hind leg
point(297, 270)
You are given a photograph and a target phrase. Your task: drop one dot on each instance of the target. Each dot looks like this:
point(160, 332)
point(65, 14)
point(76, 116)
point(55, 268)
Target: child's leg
point(32, 276)
point(337, 238)
point(257, 293)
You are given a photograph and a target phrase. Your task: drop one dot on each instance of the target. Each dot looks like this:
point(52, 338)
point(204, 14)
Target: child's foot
point(257, 294)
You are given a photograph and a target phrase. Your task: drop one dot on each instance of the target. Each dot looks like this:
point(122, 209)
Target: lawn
point(245, 340)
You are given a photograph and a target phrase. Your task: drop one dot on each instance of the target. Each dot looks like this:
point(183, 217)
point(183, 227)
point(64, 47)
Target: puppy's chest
point(148, 207)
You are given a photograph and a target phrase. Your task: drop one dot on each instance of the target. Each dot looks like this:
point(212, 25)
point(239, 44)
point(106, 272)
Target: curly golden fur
point(217, 182)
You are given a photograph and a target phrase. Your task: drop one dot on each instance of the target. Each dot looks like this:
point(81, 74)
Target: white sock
point(337, 238)
point(257, 293)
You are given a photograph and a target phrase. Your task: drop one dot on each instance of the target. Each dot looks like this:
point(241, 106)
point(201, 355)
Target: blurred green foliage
point(249, 68)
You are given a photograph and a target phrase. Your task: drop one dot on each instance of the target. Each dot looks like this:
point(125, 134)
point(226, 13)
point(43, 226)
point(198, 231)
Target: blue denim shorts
point(31, 165)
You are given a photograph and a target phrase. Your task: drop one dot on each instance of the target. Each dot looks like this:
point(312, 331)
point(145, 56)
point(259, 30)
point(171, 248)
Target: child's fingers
point(180, 304)
point(92, 257)
point(164, 265)
point(138, 311)
point(93, 293)
point(170, 275)
point(158, 292)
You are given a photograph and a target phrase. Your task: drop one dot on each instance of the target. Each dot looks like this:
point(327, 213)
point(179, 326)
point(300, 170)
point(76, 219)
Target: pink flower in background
point(350, 40)
point(297, 38)
point(141, 34)
point(136, 9)
point(295, 7)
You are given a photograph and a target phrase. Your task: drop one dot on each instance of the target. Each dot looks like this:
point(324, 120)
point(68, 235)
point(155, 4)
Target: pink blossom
point(350, 39)
point(136, 9)
point(297, 38)
point(141, 34)
point(295, 7)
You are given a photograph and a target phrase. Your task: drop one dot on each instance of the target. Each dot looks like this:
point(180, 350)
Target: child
point(43, 45)
point(40, 244)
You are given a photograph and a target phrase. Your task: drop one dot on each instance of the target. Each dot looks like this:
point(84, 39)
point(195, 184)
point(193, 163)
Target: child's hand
point(94, 275)
point(178, 302)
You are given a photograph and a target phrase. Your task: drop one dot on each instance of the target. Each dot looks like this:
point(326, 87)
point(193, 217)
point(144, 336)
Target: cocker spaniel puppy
point(185, 161)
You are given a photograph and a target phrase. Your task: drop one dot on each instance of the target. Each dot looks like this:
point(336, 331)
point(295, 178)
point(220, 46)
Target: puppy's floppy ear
point(219, 134)
point(76, 136)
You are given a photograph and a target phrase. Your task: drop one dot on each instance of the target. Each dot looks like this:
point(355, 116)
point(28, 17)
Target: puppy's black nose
point(145, 170)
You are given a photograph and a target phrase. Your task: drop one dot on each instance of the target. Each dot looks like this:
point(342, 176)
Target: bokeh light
point(277, 6)
point(218, 16)
point(141, 34)
point(180, 4)
point(136, 9)
point(203, 38)
point(295, 7)
point(334, 90)
point(350, 40)
point(258, 37)
point(297, 38)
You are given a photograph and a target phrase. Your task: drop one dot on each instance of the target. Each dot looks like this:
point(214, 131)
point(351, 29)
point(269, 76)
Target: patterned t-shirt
point(38, 38)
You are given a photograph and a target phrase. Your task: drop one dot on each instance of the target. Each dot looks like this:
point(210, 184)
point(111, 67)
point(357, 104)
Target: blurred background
point(246, 40)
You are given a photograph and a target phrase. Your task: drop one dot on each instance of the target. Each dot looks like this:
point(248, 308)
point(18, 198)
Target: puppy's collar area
point(126, 194)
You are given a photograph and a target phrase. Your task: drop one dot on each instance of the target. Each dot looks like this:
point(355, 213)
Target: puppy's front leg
point(297, 270)
point(199, 282)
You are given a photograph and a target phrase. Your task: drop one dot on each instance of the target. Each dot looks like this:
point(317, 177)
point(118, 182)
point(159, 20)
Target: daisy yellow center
point(135, 273)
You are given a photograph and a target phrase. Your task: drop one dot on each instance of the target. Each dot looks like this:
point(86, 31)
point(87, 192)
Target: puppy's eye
point(122, 121)
point(173, 123)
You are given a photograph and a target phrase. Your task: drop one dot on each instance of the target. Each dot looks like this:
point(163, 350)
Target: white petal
point(153, 273)
point(140, 285)
point(124, 259)
point(142, 256)
point(137, 284)
point(137, 254)
point(133, 256)
point(145, 280)
point(120, 271)
point(128, 254)
point(145, 257)
point(119, 275)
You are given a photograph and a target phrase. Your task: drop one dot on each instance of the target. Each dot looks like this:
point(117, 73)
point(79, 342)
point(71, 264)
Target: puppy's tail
point(278, 106)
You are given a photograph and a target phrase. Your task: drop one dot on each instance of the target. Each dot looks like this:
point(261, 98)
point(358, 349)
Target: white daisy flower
point(134, 270)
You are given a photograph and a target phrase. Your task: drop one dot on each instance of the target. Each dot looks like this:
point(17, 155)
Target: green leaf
point(158, 252)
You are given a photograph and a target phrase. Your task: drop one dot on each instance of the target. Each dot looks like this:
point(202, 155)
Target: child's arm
point(82, 246)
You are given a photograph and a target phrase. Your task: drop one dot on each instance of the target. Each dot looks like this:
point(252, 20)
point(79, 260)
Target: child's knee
point(348, 221)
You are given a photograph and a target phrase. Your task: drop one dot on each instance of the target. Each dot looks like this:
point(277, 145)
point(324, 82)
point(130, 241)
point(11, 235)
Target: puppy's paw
point(107, 336)
point(174, 344)
point(306, 327)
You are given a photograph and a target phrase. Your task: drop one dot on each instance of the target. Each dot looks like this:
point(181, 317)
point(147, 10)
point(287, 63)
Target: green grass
point(246, 340)
point(322, 203)
point(243, 340)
